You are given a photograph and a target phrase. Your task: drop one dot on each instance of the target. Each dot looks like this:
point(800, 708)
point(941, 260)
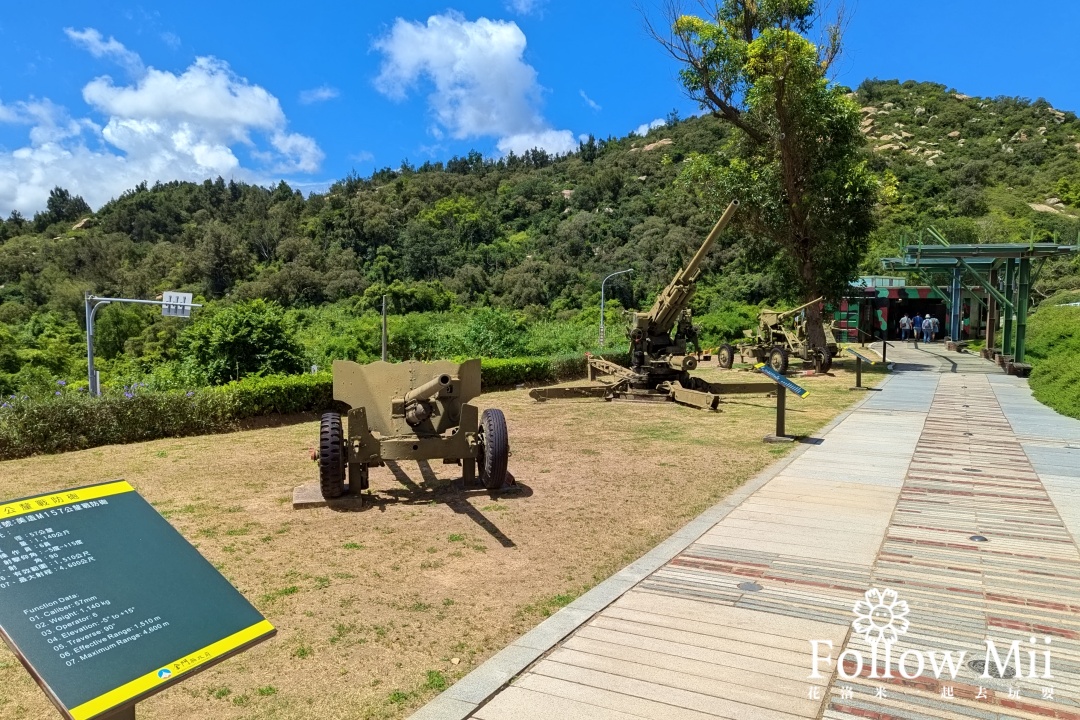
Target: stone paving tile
point(968, 453)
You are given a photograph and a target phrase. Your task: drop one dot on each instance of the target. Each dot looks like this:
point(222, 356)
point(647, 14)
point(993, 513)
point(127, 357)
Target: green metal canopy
point(982, 262)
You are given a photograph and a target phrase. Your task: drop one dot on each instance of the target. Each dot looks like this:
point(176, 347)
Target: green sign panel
point(781, 380)
point(105, 603)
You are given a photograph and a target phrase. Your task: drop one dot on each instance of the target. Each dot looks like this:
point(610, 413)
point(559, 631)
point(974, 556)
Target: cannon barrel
point(692, 266)
point(429, 389)
point(792, 311)
point(416, 410)
point(675, 297)
point(682, 362)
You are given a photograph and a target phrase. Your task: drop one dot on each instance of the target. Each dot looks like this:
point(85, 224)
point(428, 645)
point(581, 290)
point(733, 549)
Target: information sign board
point(105, 603)
point(862, 357)
point(764, 369)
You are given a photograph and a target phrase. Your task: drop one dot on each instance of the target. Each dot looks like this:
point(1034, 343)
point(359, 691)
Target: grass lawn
point(379, 610)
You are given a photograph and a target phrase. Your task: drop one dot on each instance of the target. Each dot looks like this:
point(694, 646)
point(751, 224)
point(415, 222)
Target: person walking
point(935, 328)
point(905, 326)
point(916, 327)
point(927, 328)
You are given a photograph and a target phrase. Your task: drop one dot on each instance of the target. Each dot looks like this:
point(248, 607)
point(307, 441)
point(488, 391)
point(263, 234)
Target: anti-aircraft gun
point(659, 362)
point(779, 336)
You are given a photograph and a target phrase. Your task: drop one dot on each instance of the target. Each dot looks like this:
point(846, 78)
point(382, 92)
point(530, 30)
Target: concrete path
point(950, 492)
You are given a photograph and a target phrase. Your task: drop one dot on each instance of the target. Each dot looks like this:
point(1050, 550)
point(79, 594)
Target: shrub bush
point(71, 420)
point(1053, 344)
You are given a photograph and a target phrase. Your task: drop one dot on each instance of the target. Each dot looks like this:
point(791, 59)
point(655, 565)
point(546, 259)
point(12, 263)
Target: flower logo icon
point(880, 615)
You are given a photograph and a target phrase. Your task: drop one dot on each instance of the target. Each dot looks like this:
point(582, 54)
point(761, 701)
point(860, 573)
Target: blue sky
point(96, 97)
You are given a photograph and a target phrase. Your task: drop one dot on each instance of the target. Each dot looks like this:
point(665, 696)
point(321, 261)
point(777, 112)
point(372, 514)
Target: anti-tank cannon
point(780, 335)
point(660, 364)
point(409, 411)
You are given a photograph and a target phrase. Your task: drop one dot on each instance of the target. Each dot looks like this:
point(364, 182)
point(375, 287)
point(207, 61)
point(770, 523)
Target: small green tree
point(251, 338)
point(796, 163)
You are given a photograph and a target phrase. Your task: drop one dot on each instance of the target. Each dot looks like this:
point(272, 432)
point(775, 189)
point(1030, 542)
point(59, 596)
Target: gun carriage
point(409, 411)
point(779, 337)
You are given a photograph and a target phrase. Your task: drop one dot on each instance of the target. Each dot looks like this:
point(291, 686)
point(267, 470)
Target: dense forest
point(499, 257)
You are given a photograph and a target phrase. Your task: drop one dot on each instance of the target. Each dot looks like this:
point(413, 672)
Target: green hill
point(528, 236)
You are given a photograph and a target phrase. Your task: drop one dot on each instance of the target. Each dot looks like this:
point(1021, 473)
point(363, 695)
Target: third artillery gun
point(779, 336)
point(660, 363)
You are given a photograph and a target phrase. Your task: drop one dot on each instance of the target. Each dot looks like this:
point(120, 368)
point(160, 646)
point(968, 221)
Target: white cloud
point(589, 101)
point(482, 86)
point(319, 94)
point(554, 141)
point(92, 41)
point(644, 128)
point(171, 39)
point(524, 7)
point(163, 126)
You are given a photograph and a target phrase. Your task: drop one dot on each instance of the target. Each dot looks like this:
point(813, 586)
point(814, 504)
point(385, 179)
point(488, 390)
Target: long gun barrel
point(788, 313)
point(675, 297)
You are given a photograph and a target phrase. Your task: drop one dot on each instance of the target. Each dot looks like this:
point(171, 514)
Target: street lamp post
point(173, 304)
point(602, 300)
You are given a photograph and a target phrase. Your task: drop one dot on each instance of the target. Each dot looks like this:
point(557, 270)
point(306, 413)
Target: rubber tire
point(331, 456)
point(822, 362)
point(725, 356)
point(494, 449)
point(778, 359)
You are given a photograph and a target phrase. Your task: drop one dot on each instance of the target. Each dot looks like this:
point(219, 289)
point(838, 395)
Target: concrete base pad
point(778, 439)
point(310, 496)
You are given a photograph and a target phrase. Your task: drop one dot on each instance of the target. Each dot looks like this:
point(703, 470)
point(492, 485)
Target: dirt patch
point(374, 607)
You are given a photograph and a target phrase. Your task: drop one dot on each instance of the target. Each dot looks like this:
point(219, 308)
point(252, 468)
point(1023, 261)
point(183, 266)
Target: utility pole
point(384, 328)
point(602, 300)
point(173, 304)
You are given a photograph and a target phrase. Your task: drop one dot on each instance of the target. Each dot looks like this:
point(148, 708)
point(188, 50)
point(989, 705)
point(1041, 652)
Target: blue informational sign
point(862, 357)
point(764, 369)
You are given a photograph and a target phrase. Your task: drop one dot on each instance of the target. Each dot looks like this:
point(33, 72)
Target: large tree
point(797, 161)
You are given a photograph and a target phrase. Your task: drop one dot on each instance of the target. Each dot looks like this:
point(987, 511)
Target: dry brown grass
point(374, 607)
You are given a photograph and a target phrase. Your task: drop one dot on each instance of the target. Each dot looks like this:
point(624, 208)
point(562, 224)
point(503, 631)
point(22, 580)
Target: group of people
point(919, 327)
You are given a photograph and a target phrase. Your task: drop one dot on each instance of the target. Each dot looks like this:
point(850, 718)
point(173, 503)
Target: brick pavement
point(949, 450)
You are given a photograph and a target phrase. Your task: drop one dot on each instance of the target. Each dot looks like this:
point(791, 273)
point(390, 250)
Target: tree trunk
point(815, 325)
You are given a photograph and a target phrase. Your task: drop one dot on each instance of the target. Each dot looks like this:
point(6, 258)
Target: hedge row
point(74, 421)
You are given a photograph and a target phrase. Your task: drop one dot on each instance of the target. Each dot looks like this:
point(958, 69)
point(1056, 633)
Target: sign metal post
point(173, 304)
point(783, 385)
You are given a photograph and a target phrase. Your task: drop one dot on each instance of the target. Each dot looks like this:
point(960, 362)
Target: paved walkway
point(720, 621)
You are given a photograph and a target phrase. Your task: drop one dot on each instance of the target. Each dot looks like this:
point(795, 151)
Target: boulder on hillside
point(658, 143)
point(1039, 207)
point(961, 96)
point(954, 134)
point(568, 194)
point(83, 224)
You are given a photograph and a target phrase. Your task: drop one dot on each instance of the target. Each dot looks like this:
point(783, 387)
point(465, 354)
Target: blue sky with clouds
point(97, 97)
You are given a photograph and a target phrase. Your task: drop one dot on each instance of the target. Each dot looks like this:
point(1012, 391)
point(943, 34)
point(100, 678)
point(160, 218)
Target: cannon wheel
point(494, 449)
point(331, 456)
point(725, 356)
point(822, 361)
point(778, 359)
